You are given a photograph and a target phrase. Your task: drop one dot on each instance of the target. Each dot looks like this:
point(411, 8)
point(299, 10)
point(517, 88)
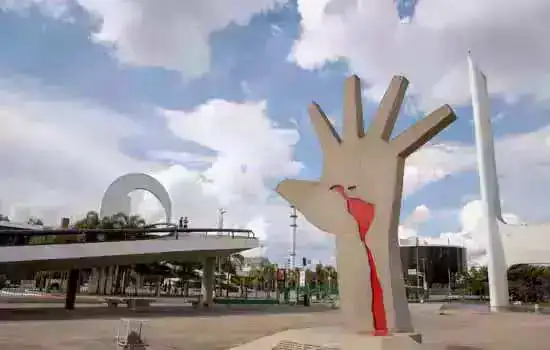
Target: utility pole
point(449, 264)
point(294, 227)
point(424, 280)
point(417, 269)
point(221, 213)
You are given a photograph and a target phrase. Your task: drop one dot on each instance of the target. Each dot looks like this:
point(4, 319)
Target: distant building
point(436, 265)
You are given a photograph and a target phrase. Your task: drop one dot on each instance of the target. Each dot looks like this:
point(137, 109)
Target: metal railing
point(73, 235)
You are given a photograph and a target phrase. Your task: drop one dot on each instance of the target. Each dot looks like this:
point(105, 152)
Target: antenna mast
point(293, 226)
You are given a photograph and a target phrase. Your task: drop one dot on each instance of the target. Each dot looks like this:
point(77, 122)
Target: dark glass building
point(435, 264)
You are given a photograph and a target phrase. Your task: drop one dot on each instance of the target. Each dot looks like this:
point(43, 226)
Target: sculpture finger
point(353, 128)
point(423, 131)
point(327, 135)
point(388, 110)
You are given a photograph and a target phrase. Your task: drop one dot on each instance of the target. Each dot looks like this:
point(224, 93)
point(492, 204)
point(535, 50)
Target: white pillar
point(207, 285)
point(102, 278)
point(488, 181)
point(93, 282)
point(109, 280)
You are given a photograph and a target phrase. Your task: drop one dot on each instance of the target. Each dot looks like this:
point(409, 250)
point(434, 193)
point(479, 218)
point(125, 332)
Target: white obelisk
point(488, 183)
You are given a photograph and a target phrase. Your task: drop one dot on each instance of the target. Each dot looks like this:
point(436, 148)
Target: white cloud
point(515, 154)
point(250, 148)
point(174, 35)
point(410, 226)
point(436, 162)
point(508, 41)
point(420, 214)
point(56, 151)
point(251, 153)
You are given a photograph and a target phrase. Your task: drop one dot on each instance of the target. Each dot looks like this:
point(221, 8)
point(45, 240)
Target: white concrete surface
point(525, 244)
point(82, 255)
point(331, 338)
point(488, 182)
point(116, 200)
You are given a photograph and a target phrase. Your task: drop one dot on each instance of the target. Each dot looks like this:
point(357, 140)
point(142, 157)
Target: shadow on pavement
point(103, 312)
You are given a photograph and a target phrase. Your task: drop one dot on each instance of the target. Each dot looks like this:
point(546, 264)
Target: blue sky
point(249, 62)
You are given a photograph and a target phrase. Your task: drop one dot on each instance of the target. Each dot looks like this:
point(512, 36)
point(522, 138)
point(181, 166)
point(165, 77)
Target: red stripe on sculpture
point(363, 213)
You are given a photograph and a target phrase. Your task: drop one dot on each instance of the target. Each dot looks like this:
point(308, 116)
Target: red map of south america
point(363, 213)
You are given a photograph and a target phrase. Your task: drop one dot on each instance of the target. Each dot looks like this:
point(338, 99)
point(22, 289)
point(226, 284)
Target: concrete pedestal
point(332, 338)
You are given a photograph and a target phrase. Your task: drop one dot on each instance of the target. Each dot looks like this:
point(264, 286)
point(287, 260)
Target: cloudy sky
point(211, 98)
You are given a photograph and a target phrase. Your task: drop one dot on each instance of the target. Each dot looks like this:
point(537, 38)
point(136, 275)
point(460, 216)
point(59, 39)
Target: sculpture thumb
point(298, 193)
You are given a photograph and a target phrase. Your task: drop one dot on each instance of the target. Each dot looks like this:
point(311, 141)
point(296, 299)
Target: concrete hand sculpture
point(358, 199)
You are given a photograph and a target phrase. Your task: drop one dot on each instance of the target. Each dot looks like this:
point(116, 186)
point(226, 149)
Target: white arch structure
point(117, 200)
point(507, 244)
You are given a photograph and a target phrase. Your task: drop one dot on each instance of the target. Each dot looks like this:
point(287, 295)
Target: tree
point(528, 283)
point(269, 272)
point(116, 221)
point(476, 280)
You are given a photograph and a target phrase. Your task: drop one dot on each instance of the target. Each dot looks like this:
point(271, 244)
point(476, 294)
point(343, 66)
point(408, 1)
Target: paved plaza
point(41, 327)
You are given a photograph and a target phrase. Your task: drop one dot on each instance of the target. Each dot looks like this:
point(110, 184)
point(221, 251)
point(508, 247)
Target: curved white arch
point(116, 199)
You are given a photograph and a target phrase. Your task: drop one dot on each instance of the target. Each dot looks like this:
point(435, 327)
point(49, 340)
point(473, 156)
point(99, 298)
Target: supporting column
point(207, 285)
point(72, 288)
point(101, 279)
point(109, 280)
point(93, 282)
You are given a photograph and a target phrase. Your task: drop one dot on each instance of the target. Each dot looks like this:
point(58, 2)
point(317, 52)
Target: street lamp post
point(417, 269)
point(450, 290)
point(221, 213)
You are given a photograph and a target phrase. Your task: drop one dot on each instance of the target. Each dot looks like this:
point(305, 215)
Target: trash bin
point(306, 300)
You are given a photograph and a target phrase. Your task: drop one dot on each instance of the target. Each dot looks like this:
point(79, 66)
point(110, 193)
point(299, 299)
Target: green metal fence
point(315, 294)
